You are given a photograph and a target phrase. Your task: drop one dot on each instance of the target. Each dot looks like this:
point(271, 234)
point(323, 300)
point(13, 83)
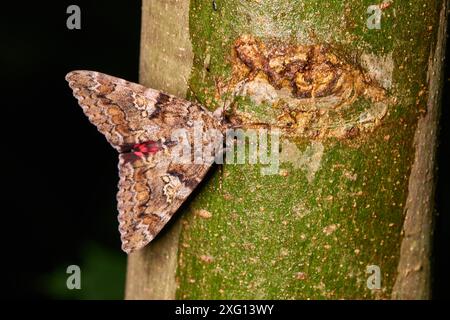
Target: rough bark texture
point(339, 204)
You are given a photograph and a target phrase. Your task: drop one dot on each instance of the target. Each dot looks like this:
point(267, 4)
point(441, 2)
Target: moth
point(138, 122)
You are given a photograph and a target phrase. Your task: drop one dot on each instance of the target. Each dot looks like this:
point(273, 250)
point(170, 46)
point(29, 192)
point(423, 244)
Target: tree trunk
point(354, 193)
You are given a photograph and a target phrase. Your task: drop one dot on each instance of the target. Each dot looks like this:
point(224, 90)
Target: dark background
point(60, 174)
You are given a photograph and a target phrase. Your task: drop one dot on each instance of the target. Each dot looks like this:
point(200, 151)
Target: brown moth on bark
point(139, 123)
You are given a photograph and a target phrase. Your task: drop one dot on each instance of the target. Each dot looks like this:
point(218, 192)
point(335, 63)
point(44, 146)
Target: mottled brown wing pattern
point(151, 190)
point(139, 122)
point(128, 113)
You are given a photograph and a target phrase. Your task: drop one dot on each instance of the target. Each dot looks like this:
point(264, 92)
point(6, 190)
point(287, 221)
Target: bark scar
point(305, 90)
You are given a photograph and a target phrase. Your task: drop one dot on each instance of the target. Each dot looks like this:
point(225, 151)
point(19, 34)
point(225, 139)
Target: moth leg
point(219, 112)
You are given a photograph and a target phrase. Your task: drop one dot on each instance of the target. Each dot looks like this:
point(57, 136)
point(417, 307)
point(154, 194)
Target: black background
point(61, 176)
point(59, 179)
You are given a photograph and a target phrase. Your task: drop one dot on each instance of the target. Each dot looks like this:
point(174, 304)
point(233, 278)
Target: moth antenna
point(230, 100)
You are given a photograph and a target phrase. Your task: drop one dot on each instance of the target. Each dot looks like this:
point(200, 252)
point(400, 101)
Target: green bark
point(339, 205)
